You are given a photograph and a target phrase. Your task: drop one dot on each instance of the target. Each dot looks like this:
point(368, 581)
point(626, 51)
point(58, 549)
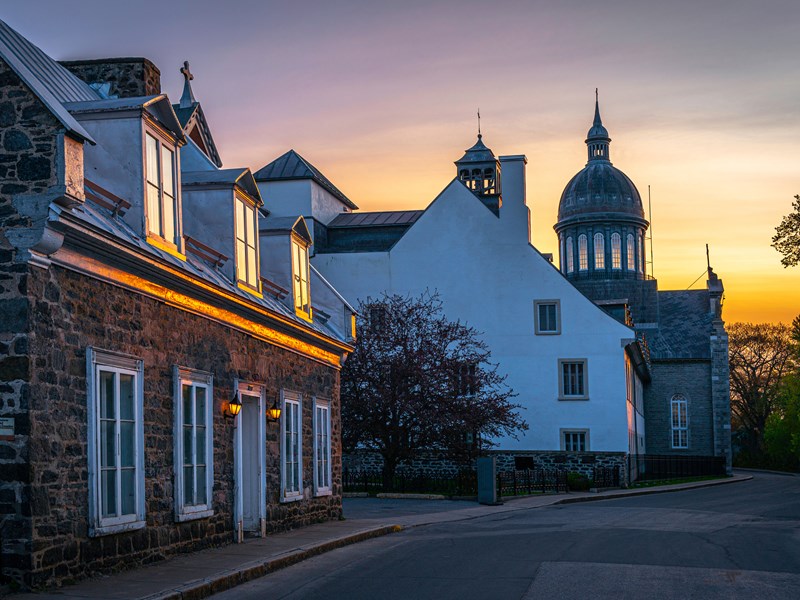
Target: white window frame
point(631, 253)
point(640, 253)
point(322, 487)
point(156, 235)
point(250, 242)
point(616, 251)
point(570, 256)
point(301, 288)
point(567, 434)
point(679, 426)
point(196, 379)
point(583, 252)
point(289, 398)
point(104, 360)
point(537, 317)
point(562, 362)
point(599, 251)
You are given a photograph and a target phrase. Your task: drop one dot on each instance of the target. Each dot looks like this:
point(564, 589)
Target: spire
point(597, 139)
point(479, 124)
point(187, 98)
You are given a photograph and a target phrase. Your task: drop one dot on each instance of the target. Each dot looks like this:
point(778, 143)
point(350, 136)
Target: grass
point(655, 482)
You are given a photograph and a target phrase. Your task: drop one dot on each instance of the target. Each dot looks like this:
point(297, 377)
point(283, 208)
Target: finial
point(597, 120)
point(479, 124)
point(187, 98)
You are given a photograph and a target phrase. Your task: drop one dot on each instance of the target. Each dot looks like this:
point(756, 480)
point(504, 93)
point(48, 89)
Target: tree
point(418, 381)
point(760, 356)
point(787, 236)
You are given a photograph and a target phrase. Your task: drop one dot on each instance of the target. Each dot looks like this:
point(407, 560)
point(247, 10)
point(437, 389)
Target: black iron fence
point(464, 483)
point(606, 477)
point(531, 481)
point(650, 467)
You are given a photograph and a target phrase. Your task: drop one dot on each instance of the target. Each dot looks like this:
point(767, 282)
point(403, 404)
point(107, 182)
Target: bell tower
point(479, 170)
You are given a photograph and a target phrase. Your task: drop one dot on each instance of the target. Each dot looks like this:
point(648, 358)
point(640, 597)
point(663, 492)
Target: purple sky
point(702, 100)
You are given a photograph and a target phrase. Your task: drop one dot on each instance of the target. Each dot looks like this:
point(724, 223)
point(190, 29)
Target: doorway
point(249, 448)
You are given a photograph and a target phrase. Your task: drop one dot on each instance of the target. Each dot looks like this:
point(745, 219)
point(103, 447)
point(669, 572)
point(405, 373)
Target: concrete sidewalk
point(201, 574)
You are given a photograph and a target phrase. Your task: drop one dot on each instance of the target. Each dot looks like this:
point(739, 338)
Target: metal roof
point(223, 177)
point(286, 224)
point(293, 166)
point(684, 325)
point(373, 219)
point(51, 82)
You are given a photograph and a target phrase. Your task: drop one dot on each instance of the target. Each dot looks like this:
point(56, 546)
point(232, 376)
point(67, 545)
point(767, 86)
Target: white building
point(576, 369)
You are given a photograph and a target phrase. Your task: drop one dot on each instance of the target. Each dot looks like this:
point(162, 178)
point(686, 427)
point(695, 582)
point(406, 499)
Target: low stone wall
point(442, 465)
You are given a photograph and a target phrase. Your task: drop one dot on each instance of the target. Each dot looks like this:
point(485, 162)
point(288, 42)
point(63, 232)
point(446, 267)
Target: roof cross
point(187, 98)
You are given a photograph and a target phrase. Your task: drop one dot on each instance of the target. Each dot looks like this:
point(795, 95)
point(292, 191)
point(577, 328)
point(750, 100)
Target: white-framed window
point(194, 436)
point(616, 251)
point(246, 224)
point(116, 442)
point(575, 440)
point(680, 422)
point(161, 191)
point(291, 447)
point(583, 253)
point(640, 253)
point(599, 251)
point(547, 317)
point(631, 253)
point(300, 287)
point(573, 379)
point(570, 256)
point(322, 447)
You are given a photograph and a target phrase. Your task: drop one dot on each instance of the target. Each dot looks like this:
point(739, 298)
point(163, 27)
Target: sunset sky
point(701, 99)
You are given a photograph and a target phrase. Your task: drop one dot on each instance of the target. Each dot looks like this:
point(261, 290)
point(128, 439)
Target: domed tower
point(479, 170)
point(601, 225)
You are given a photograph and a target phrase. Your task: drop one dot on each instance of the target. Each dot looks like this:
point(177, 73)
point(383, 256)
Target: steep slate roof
point(684, 325)
point(52, 83)
point(376, 219)
point(293, 166)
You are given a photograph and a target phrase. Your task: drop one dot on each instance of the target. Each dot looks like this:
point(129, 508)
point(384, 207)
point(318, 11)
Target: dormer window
point(162, 218)
point(300, 288)
point(246, 244)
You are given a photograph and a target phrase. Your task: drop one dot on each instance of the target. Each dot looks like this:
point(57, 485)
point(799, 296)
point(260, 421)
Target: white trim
point(320, 490)
point(682, 401)
point(289, 397)
point(195, 378)
point(572, 430)
point(585, 375)
point(120, 364)
point(251, 389)
point(537, 325)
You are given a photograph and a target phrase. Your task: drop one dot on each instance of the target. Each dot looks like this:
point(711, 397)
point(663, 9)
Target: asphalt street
point(731, 541)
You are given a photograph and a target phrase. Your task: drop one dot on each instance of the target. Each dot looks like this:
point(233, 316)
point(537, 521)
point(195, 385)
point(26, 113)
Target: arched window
point(583, 253)
point(562, 257)
point(599, 251)
point(680, 421)
point(641, 253)
point(631, 253)
point(616, 251)
point(570, 256)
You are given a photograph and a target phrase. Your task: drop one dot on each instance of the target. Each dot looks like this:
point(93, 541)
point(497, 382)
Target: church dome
point(600, 188)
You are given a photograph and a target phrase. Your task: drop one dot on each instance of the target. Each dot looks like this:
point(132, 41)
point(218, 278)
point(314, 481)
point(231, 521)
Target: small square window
point(575, 440)
point(547, 317)
point(573, 380)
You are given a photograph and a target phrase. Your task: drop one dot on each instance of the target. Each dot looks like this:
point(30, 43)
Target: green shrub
point(577, 482)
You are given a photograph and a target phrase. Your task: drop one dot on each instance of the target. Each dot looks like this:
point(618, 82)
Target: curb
point(225, 580)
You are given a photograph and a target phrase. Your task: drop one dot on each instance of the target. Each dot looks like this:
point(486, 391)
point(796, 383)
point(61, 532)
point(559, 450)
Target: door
point(251, 464)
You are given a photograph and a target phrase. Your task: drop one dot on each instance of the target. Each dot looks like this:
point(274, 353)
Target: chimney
point(118, 77)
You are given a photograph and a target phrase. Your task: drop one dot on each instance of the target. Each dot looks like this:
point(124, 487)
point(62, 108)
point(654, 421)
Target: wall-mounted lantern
point(274, 412)
point(232, 408)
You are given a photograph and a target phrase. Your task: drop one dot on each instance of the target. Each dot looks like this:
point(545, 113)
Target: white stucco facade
point(488, 275)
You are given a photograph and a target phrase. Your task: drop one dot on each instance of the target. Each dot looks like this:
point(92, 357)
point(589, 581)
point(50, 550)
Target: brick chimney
point(126, 77)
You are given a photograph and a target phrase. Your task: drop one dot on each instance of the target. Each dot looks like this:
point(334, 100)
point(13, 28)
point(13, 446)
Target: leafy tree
point(761, 355)
point(787, 236)
point(782, 431)
point(417, 381)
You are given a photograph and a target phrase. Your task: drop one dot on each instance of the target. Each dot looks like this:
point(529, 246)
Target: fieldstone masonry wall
point(127, 77)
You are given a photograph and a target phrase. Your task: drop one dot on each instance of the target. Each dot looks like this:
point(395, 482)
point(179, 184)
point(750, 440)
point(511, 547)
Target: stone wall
point(27, 172)
point(440, 464)
point(128, 77)
point(70, 312)
point(692, 378)
point(721, 394)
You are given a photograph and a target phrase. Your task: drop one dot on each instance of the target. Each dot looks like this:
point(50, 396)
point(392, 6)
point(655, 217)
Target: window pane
point(107, 404)
point(241, 261)
point(127, 443)
point(186, 392)
point(188, 485)
point(187, 445)
point(200, 411)
point(126, 391)
point(169, 232)
point(251, 267)
point(240, 234)
point(250, 225)
point(153, 210)
point(128, 491)
point(152, 159)
point(200, 448)
point(202, 497)
point(108, 451)
point(167, 167)
point(108, 492)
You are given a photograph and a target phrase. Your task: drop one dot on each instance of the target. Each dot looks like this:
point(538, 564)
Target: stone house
point(137, 322)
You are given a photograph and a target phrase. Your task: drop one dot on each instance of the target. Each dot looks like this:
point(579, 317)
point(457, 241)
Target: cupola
point(479, 170)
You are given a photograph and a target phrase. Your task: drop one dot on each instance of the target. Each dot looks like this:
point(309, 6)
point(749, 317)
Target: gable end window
point(680, 422)
point(322, 447)
point(246, 225)
point(162, 207)
point(547, 317)
point(300, 285)
point(573, 379)
point(291, 447)
point(194, 463)
point(116, 442)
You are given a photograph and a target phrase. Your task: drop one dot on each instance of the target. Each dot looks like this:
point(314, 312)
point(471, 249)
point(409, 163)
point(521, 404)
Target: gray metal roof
point(479, 153)
point(286, 224)
point(293, 166)
point(51, 82)
point(222, 177)
point(373, 219)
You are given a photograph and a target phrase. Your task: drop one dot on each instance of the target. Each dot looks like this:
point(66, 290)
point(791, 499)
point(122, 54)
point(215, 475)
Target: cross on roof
point(187, 98)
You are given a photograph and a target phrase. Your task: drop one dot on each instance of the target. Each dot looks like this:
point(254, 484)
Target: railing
point(531, 481)
point(606, 477)
point(207, 253)
point(465, 483)
point(649, 467)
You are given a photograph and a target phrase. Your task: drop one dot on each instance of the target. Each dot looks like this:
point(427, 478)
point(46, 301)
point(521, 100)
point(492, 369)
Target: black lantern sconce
point(274, 412)
point(232, 408)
